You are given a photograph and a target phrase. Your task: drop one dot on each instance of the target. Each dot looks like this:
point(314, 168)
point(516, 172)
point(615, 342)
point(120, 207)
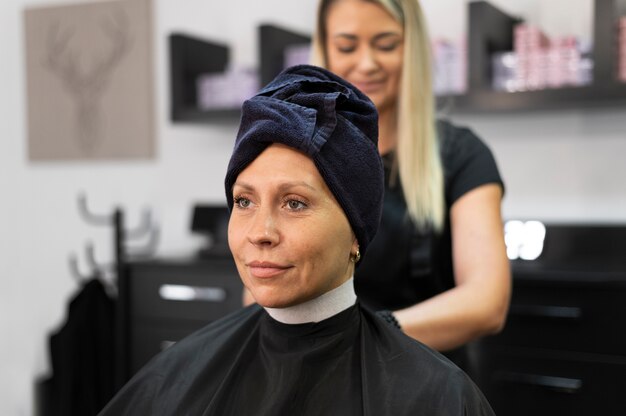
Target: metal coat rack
point(123, 252)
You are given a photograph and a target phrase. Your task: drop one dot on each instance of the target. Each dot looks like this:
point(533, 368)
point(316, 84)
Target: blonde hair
point(417, 157)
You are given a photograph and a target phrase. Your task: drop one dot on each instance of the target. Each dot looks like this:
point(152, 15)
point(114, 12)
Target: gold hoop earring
point(356, 256)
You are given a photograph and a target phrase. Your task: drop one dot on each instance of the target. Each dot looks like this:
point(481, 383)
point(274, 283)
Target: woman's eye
point(241, 202)
point(347, 49)
point(345, 46)
point(296, 205)
point(388, 47)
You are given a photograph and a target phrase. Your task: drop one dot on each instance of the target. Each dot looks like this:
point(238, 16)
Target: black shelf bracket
point(604, 43)
point(190, 57)
point(490, 30)
point(272, 43)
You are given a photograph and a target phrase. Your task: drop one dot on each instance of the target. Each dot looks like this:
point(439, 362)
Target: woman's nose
point(367, 60)
point(263, 230)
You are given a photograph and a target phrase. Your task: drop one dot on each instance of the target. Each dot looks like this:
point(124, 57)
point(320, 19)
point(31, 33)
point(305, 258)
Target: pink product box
point(554, 64)
point(527, 37)
point(567, 63)
point(505, 72)
point(226, 90)
point(566, 42)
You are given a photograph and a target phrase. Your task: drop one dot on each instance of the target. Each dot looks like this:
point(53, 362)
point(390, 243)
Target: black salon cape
point(82, 356)
point(249, 364)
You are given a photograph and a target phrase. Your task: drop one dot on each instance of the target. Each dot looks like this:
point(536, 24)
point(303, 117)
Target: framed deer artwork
point(90, 81)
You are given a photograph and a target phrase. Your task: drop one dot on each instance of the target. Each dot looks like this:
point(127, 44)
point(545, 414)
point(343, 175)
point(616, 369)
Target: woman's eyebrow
point(387, 35)
point(243, 185)
point(289, 185)
point(376, 37)
point(346, 36)
point(282, 187)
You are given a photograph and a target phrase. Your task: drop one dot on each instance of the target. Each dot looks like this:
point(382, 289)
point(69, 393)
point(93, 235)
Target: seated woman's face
point(290, 239)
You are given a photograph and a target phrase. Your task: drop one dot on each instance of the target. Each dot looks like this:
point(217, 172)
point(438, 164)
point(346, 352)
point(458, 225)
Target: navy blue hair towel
point(318, 113)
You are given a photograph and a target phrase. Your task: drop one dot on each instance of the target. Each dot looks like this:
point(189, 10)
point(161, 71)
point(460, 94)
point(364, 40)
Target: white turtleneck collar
point(318, 309)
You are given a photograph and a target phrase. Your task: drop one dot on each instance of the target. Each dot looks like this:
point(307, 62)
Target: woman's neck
point(318, 309)
point(387, 131)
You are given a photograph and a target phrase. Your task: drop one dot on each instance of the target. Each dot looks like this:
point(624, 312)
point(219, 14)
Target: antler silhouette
point(116, 29)
point(59, 59)
point(86, 86)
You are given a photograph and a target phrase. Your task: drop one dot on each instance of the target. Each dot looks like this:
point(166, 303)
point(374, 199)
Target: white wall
point(557, 166)
point(448, 18)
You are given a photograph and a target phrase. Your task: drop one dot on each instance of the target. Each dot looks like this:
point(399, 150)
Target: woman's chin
point(279, 300)
point(272, 300)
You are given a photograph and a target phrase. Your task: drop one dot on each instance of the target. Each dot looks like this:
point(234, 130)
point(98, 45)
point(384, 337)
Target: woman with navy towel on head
point(305, 187)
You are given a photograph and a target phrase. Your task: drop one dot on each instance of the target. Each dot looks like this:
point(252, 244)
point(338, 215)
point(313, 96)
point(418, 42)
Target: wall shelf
point(491, 30)
point(191, 56)
point(273, 40)
point(489, 101)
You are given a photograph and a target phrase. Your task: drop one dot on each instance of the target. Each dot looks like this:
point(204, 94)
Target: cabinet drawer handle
point(560, 384)
point(540, 311)
point(190, 293)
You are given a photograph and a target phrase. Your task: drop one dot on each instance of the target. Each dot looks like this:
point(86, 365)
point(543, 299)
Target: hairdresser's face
point(365, 46)
point(290, 238)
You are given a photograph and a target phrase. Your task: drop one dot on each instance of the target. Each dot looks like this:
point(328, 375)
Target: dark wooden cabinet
point(535, 382)
point(563, 350)
point(166, 300)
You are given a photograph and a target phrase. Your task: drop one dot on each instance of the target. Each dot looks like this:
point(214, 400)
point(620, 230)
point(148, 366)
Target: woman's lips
point(265, 270)
point(368, 86)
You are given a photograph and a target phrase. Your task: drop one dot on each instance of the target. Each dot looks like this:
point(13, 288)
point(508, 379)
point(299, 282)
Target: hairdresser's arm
point(479, 302)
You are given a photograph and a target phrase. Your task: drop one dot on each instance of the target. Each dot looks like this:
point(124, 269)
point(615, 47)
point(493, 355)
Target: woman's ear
point(355, 254)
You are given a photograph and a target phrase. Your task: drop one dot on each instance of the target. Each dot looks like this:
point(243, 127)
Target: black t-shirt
point(404, 265)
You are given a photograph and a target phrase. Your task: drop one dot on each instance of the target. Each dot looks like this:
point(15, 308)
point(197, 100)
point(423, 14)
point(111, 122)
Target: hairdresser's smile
point(370, 86)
